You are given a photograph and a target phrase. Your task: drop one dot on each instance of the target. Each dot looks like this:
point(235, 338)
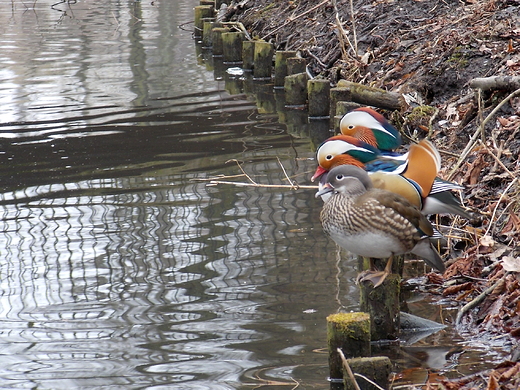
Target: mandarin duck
point(374, 223)
point(413, 176)
point(371, 127)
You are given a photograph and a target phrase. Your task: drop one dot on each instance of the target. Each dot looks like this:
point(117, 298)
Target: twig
point(479, 130)
point(242, 184)
point(498, 203)
point(497, 159)
point(467, 307)
point(296, 17)
point(240, 167)
point(343, 35)
point(354, 35)
point(346, 366)
point(316, 58)
point(294, 186)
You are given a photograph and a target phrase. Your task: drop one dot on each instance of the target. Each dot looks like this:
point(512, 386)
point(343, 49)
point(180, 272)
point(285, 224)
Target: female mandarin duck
point(374, 223)
point(413, 177)
point(371, 127)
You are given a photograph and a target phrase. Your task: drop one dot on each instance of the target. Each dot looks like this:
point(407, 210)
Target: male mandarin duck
point(412, 175)
point(374, 223)
point(371, 127)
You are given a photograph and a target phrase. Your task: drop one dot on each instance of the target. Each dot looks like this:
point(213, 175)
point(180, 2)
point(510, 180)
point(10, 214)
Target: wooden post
point(296, 65)
point(280, 66)
point(318, 91)
point(216, 38)
point(263, 59)
point(232, 47)
point(295, 87)
point(338, 95)
point(351, 333)
point(377, 369)
point(382, 303)
point(248, 55)
point(201, 11)
point(207, 34)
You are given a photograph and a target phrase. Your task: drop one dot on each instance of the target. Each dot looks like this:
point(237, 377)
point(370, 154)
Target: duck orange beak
point(319, 171)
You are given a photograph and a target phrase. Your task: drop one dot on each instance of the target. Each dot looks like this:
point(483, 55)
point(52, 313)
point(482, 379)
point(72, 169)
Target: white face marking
point(331, 149)
point(362, 118)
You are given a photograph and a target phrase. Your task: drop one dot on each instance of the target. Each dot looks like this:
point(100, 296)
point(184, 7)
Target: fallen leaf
point(487, 241)
point(511, 264)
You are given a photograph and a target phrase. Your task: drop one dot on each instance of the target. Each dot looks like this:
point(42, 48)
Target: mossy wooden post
point(248, 55)
point(216, 38)
point(232, 47)
point(207, 34)
point(295, 87)
point(382, 303)
point(377, 369)
point(351, 333)
point(337, 95)
point(296, 65)
point(318, 92)
point(207, 2)
point(201, 12)
point(280, 66)
point(263, 59)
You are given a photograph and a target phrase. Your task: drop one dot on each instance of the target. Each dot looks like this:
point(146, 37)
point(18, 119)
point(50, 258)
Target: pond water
point(120, 267)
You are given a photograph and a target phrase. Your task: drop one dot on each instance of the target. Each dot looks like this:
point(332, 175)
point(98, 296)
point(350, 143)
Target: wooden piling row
point(352, 333)
point(231, 41)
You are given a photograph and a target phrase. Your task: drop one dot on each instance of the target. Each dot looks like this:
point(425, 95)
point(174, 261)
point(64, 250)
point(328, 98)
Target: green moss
point(458, 57)
point(350, 324)
point(419, 113)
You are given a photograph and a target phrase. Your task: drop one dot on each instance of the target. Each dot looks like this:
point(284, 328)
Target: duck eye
point(339, 177)
point(329, 157)
point(351, 127)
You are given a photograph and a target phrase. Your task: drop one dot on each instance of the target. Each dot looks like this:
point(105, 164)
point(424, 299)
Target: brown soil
point(430, 50)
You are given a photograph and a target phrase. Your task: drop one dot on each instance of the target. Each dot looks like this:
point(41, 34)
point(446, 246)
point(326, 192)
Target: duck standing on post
point(374, 223)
